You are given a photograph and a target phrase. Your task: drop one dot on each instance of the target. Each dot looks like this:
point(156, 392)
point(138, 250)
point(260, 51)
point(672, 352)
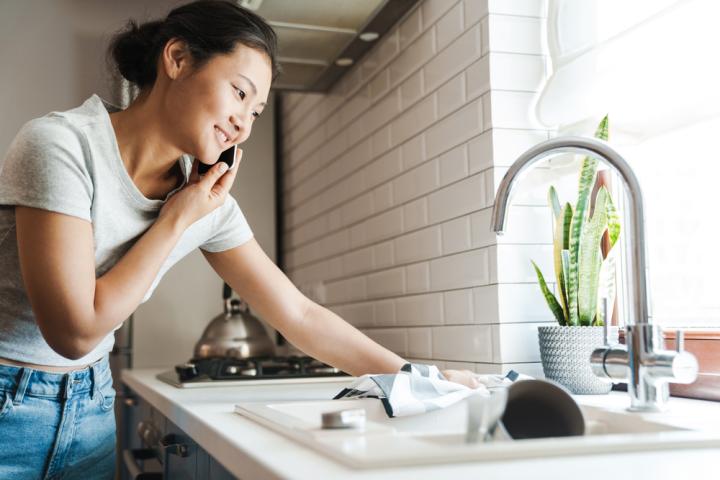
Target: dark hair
point(209, 27)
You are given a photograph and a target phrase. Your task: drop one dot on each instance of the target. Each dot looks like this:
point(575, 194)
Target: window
point(652, 66)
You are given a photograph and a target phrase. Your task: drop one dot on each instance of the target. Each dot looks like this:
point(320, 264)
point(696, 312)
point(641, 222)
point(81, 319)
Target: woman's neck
point(147, 153)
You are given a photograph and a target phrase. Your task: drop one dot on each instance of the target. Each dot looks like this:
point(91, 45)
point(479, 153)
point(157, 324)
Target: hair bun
point(132, 48)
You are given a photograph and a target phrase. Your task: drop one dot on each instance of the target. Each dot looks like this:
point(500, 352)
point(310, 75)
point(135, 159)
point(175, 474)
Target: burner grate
point(222, 368)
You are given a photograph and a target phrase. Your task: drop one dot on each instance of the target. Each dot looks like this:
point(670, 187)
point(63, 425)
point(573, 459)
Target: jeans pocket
point(6, 403)
point(106, 399)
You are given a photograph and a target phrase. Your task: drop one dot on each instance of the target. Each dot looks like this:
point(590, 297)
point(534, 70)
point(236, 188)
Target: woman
point(96, 204)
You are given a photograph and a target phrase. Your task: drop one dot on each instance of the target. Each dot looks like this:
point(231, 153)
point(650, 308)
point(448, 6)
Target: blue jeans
point(57, 425)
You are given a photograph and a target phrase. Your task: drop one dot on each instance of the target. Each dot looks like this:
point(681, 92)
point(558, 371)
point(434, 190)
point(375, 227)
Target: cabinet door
point(218, 472)
point(203, 464)
point(180, 466)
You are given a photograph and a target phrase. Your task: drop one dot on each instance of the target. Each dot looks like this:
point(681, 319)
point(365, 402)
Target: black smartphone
point(228, 156)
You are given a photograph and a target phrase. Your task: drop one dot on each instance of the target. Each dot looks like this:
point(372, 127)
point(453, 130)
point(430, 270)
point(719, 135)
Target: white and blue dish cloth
point(419, 388)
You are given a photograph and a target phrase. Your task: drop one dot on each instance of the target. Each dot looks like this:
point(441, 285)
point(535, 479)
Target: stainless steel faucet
point(642, 361)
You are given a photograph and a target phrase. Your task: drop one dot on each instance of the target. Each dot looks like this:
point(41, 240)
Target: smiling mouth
point(221, 136)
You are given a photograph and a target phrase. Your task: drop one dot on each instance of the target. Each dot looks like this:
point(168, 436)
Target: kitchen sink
point(439, 436)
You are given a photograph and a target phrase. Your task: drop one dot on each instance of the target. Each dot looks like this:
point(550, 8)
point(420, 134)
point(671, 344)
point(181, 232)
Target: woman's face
point(214, 107)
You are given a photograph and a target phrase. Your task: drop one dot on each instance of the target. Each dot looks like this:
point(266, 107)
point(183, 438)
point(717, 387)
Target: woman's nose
point(239, 123)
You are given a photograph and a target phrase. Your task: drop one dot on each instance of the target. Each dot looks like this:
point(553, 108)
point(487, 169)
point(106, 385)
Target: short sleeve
point(229, 228)
point(46, 167)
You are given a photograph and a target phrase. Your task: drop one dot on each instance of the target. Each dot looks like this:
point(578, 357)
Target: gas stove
point(225, 371)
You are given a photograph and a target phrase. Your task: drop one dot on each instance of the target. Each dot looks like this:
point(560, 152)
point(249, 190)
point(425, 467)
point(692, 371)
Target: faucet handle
point(679, 341)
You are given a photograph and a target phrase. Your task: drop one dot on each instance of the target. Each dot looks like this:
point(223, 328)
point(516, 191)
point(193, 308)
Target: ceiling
point(320, 40)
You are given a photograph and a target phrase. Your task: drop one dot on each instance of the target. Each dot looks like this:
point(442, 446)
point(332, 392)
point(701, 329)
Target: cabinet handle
point(130, 458)
point(172, 445)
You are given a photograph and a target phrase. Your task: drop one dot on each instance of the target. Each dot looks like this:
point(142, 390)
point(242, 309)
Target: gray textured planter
point(565, 354)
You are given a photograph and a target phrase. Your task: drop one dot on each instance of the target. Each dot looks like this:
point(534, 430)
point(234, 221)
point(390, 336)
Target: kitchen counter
point(251, 451)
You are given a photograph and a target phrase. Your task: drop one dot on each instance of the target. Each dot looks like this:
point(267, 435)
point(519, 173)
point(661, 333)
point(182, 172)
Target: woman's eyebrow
point(254, 88)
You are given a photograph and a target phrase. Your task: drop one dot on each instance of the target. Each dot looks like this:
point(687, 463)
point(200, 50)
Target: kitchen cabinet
point(183, 458)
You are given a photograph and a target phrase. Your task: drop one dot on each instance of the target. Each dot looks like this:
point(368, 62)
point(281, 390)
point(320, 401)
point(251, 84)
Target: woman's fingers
point(209, 180)
point(225, 182)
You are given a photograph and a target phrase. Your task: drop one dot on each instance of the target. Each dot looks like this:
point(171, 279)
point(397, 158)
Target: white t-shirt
point(69, 162)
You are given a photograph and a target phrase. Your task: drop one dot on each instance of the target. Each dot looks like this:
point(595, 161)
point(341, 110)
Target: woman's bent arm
point(73, 309)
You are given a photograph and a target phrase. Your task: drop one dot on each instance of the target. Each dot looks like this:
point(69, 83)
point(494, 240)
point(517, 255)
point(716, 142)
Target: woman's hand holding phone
point(202, 194)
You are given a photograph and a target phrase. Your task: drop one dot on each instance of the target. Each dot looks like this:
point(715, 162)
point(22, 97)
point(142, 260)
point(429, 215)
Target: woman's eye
point(240, 93)
point(255, 114)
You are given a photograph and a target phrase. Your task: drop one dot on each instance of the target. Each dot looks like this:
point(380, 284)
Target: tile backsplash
point(390, 180)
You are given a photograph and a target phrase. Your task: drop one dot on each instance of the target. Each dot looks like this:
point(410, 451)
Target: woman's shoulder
point(62, 127)
point(48, 131)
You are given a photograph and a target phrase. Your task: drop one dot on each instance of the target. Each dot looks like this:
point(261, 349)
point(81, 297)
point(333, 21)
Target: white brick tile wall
point(465, 269)
point(412, 57)
point(451, 95)
point(454, 129)
point(456, 235)
point(383, 255)
point(411, 90)
point(458, 307)
point(386, 283)
point(432, 10)
point(457, 199)
point(418, 277)
point(418, 310)
point(413, 152)
point(383, 197)
point(384, 313)
point(415, 214)
point(478, 78)
point(453, 59)
point(515, 34)
point(421, 245)
point(450, 26)
point(410, 28)
point(419, 343)
point(413, 120)
point(418, 181)
point(390, 179)
point(453, 165)
point(463, 343)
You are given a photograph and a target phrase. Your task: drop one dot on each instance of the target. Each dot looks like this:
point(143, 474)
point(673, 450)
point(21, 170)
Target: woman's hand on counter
point(463, 377)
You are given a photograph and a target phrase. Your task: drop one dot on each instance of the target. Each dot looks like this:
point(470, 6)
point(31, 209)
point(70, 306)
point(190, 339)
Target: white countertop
point(250, 450)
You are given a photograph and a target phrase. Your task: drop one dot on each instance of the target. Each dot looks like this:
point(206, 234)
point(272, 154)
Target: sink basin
point(439, 436)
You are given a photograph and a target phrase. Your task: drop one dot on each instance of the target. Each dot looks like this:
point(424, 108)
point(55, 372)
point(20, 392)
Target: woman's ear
point(175, 58)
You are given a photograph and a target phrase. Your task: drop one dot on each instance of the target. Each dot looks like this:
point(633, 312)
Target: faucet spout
point(638, 296)
point(643, 362)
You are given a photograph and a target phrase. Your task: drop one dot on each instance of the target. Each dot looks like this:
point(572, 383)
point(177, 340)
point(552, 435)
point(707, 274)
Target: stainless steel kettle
point(234, 333)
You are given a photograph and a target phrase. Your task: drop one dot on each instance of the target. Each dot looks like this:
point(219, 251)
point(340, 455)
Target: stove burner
point(221, 368)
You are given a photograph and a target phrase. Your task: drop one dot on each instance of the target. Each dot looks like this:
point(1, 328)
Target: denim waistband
point(21, 381)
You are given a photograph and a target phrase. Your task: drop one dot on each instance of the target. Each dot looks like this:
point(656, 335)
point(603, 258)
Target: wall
point(52, 57)
point(389, 182)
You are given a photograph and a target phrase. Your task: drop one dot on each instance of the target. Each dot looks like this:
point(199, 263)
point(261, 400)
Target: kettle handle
point(227, 291)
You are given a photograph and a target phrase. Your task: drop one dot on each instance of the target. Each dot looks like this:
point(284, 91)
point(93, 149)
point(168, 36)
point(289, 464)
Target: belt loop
point(22, 385)
point(93, 380)
point(67, 384)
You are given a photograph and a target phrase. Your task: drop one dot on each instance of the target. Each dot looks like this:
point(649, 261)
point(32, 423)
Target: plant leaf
point(566, 270)
point(554, 203)
point(586, 183)
point(590, 260)
point(561, 228)
point(613, 220)
point(549, 297)
point(602, 129)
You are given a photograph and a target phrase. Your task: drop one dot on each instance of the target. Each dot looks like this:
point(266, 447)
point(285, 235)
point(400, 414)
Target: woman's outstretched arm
point(310, 327)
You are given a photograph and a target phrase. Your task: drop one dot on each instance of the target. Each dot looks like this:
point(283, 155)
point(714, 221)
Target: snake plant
point(577, 254)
